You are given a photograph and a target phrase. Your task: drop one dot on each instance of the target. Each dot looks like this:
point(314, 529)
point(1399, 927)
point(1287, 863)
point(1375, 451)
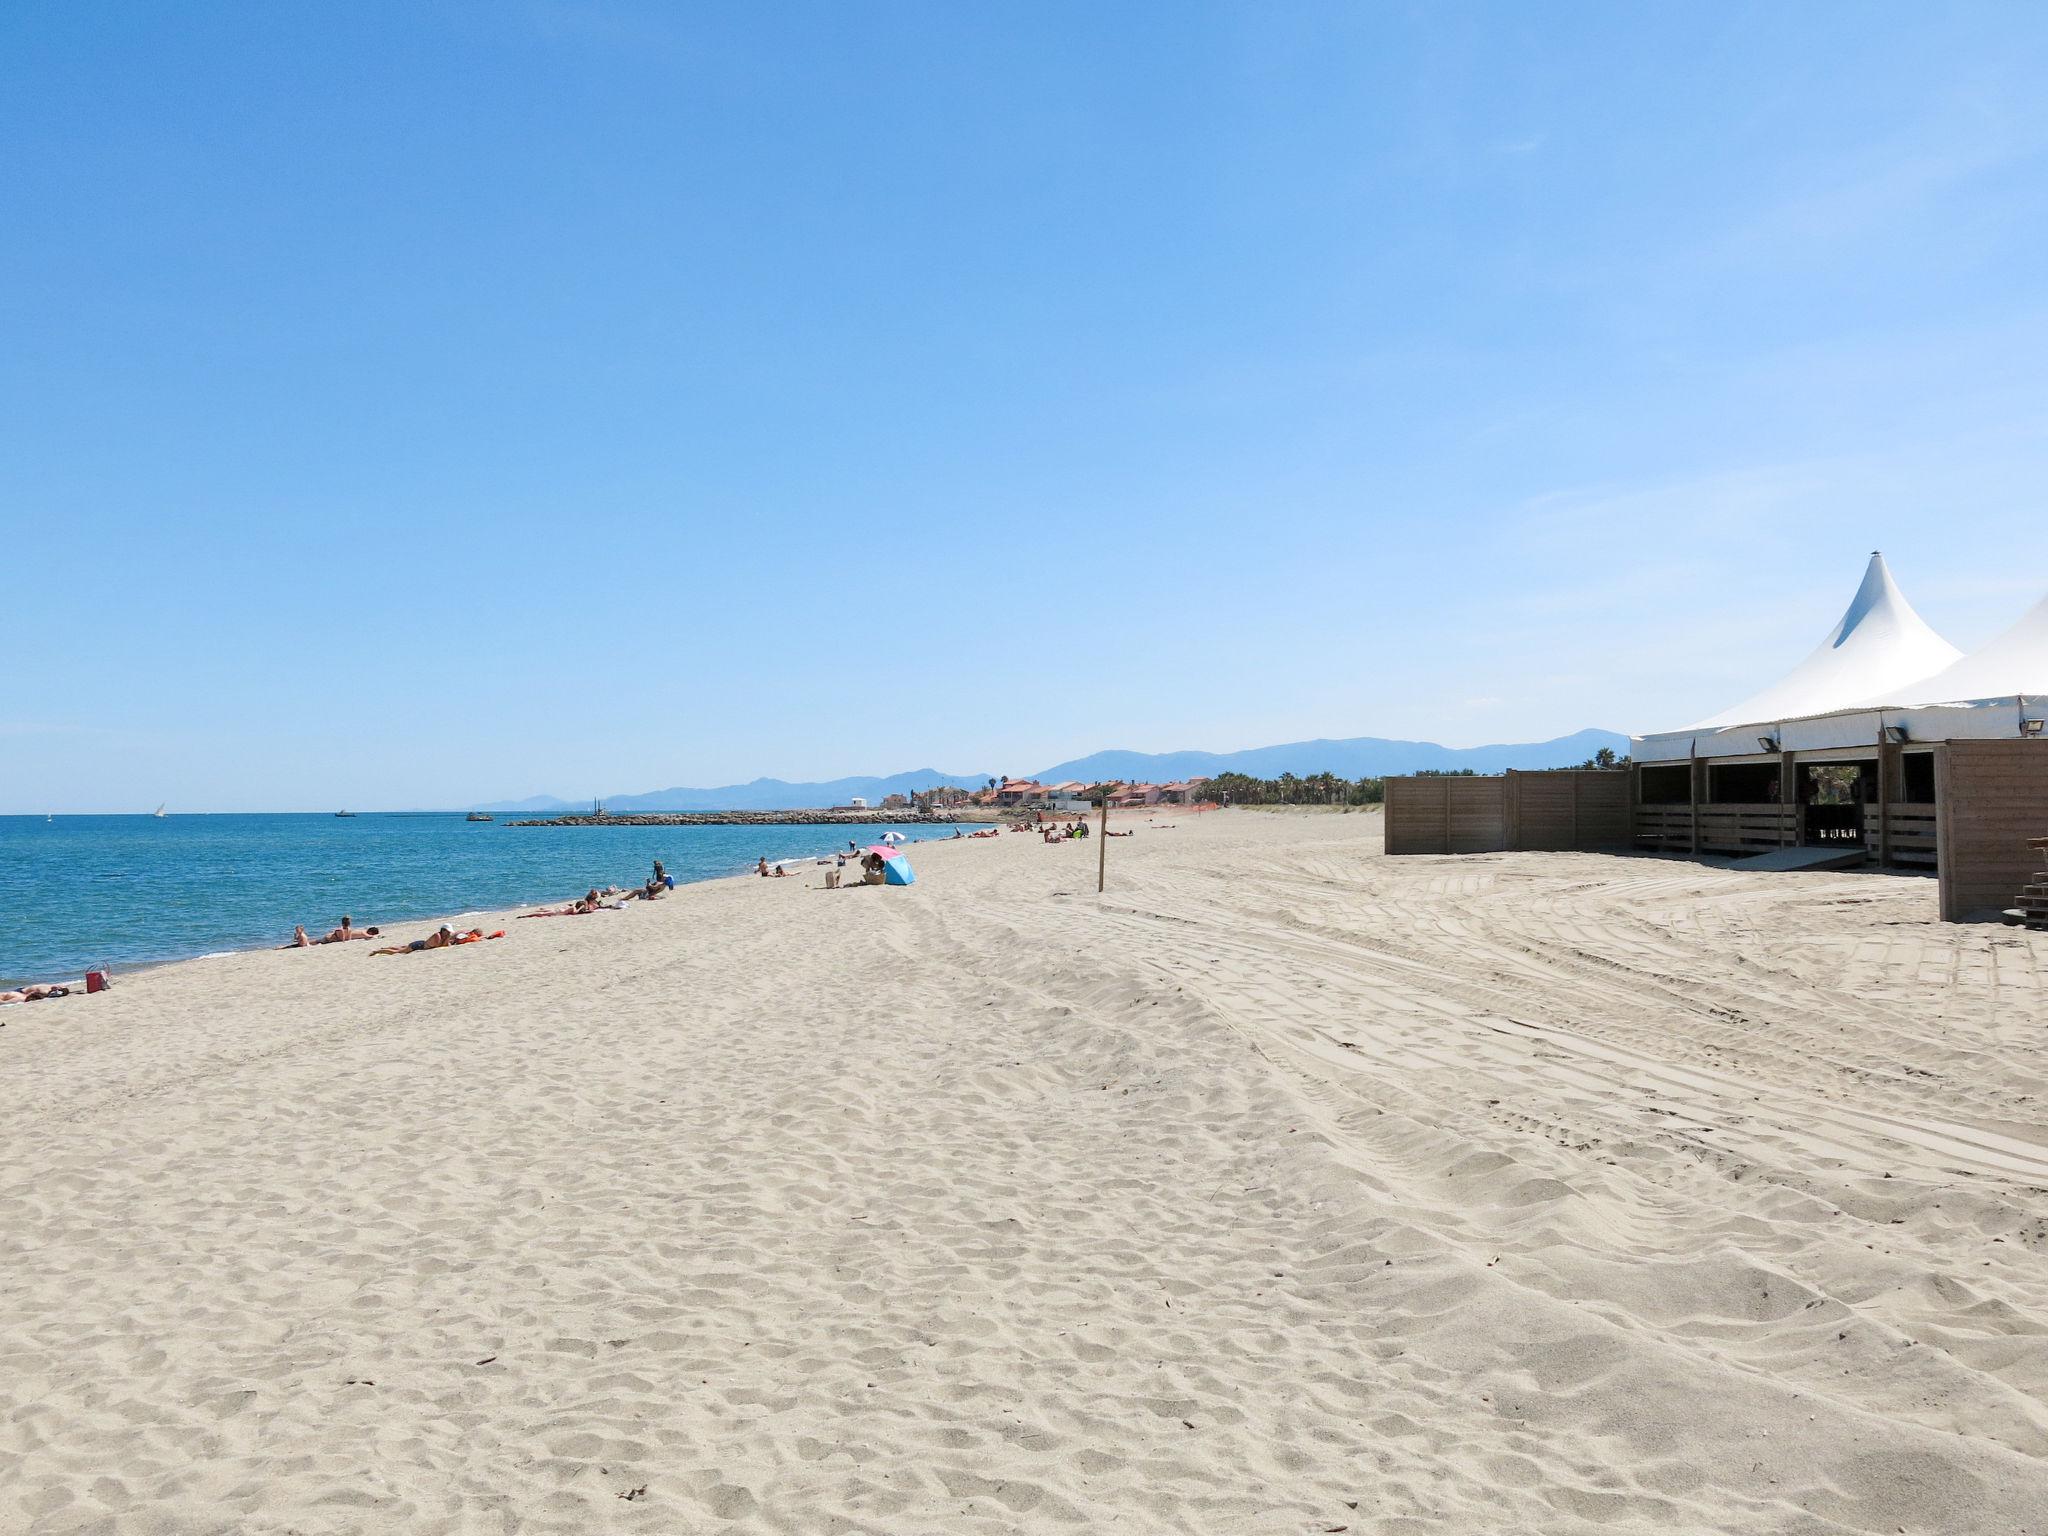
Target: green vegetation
point(1605, 758)
point(1316, 789)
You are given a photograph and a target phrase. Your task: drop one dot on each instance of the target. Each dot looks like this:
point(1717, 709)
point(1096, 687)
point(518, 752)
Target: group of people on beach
point(1070, 832)
point(592, 901)
point(341, 935)
point(659, 884)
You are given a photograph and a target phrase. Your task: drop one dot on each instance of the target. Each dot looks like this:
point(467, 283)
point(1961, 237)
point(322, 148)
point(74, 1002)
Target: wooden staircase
point(2032, 912)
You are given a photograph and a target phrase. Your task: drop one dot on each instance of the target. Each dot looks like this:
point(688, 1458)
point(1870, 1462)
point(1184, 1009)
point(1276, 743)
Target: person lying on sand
point(345, 932)
point(440, 938)
point(36, 992)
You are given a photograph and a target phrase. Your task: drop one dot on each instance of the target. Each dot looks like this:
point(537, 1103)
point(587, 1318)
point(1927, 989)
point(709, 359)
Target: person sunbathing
point(36, 992)
point(298, 939)
point(440, 938)
point(345, 932)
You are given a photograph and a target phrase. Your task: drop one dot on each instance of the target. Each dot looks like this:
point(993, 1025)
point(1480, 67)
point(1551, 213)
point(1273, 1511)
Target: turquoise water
point(82, 891)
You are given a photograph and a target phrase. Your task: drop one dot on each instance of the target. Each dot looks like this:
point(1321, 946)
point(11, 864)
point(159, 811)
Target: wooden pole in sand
point(1102, 847)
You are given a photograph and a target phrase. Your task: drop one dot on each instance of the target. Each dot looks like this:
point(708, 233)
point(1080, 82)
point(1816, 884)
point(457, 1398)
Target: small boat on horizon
point(344, 813)
point(158, 813)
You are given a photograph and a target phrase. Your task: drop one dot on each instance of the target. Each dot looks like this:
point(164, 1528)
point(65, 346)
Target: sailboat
point(158, 813)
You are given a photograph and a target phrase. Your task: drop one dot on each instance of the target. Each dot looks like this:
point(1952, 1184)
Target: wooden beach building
point(1886, 742)
point(1885, 747)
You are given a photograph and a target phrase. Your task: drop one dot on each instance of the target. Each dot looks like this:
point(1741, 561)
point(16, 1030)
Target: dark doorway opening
point(1667, 785)
point(1832, 798)
point(1742, 784)
point(1916, 778)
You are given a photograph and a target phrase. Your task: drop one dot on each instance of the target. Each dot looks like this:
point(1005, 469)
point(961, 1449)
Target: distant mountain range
point(1369, 757)
point(761, 795)
point(1356, 757)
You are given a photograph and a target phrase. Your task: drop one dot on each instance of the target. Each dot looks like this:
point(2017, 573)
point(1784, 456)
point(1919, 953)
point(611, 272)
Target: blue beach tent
point(896, 869)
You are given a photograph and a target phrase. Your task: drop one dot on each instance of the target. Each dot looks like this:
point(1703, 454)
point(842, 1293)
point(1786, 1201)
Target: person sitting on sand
point(440, 938)
point(761, 867)
point(298, 939)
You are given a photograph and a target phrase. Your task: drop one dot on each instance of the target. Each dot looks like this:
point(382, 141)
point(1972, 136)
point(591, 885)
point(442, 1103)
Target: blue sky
point(423, 404)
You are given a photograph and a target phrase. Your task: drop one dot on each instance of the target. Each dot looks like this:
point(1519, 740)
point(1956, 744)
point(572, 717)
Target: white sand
point(1287, 1189)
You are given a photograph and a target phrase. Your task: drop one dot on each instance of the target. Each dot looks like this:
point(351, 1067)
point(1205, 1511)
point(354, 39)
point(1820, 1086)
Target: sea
point(86, 892)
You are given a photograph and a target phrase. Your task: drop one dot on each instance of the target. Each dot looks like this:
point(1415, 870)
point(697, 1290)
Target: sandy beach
point(1286, 1188)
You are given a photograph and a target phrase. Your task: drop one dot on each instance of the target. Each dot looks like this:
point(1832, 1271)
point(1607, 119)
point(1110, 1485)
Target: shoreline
point(762, 819)
point(119, 971)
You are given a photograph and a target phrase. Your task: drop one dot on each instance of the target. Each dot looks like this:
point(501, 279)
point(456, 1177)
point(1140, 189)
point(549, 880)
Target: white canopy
point(1880, 644)
point(1877, 647)
point(2013, 666)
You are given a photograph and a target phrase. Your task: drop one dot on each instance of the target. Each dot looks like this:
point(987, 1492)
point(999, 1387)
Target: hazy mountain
point(540, 805)
point(761, 795)
point(1356, 757)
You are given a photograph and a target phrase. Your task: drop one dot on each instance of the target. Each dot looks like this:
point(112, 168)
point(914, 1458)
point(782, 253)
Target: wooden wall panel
point(1546, 810)
point(1561, 809)
point(1479, 814)
point(1417, 819)
point(1991, 796)
point(1606, 808)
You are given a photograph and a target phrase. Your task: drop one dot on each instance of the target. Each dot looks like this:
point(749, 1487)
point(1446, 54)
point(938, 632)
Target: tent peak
point(1878, 643)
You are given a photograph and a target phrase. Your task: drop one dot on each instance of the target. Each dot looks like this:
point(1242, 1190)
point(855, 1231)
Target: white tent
point(2012, 666)
point(1985, 694)
point(1879, 644)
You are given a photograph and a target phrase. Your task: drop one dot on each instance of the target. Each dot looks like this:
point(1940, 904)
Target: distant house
point(1021, 792)
point(856, 804)
point(895, 802)
point(1181, 792)
point(1133, 796)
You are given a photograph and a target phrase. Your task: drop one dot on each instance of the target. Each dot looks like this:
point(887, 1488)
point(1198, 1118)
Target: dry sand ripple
point(1288, 1188)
